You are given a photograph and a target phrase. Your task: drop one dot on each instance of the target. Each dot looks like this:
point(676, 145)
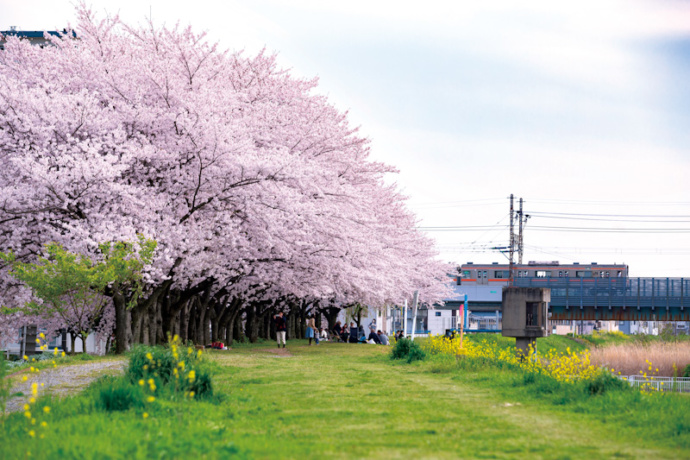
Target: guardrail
point(675, 384)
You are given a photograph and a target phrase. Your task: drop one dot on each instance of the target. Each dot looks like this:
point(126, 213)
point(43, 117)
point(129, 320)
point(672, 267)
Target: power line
point(469, 228)
point(646, 216)
point(612, 220)
point(610, 202)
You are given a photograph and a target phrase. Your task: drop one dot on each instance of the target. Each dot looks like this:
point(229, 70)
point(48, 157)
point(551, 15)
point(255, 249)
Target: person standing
point(312, 332)
point(281, 328)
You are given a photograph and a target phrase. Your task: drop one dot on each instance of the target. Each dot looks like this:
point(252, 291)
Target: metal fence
point(677, 384)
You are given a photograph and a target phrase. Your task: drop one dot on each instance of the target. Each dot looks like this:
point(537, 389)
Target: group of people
point(351, 334)
point(355, 334)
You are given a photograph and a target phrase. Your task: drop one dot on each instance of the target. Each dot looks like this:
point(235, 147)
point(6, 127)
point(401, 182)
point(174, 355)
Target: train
point(499, 274)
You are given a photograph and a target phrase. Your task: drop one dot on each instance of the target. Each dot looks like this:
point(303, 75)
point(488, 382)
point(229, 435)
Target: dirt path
point(63, 381)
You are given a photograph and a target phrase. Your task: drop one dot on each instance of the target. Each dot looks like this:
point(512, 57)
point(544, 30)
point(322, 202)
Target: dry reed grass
point(631, 358)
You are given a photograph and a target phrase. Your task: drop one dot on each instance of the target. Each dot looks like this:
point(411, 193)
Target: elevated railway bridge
point(618, 299)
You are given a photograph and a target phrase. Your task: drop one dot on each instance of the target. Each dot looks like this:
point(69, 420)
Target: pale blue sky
point(573, 107)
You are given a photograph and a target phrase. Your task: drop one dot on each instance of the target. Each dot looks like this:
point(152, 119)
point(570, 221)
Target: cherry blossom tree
point(256, 189)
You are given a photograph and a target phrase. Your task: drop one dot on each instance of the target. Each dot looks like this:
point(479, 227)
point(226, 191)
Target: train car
point(499, 274)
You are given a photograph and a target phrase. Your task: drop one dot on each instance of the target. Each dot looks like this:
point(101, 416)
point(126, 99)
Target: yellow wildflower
point(141, 382)
point(25, 378)
point(32, 433)
point(44, 424)
point(150, 399)
point(42, 335)
point(146, 415)
point(46, 409)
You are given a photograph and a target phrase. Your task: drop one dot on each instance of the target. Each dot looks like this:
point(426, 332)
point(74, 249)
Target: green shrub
point(409, 350)
point(117, 394)
point(201, 386)
point(171, 367)
point(604, 382)
point(686, 371)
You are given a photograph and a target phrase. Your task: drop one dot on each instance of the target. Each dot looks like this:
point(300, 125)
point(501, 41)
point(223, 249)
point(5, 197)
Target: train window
point(466, 273)
point(567, 274)
point(543, 273)
point(583, 274)
point(619, 274)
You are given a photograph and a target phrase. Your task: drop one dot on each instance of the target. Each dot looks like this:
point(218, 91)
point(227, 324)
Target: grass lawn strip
point(345, 400)
point(338, 401)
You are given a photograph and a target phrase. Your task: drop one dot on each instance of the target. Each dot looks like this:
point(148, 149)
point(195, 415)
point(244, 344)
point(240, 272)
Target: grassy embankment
point(345, 401)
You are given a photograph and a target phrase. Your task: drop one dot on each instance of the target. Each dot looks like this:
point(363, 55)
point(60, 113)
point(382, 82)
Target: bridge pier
point(525, 345)
point(525, 316)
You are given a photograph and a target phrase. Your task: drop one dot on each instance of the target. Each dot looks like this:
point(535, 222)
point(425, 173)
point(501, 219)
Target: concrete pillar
point(523, 346)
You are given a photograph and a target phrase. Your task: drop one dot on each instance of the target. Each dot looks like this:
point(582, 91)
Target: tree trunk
point(252, 325)
point(121, 323)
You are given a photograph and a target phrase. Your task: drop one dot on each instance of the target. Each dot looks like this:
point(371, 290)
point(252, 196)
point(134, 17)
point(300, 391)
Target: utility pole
point(512, 242)
point(520, 222)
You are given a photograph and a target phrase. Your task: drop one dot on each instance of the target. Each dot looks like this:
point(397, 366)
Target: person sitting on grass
point(344, 334)
point(373, 336)
point(382, 337)
point(353, 333)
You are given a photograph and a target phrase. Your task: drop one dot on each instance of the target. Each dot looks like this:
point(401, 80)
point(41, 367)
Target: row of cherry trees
point(259, 194)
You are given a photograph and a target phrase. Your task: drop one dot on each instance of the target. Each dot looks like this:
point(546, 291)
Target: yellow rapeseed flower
point(44, 424)
point(34, 388)
point(25, 378)
point(38, 341)
point(32, 433)
point(46, 409)
point(26, 358)
point(146, 415)
point(151, 399)
point(32, 400)
point(55, 351)
point(27, 414)
point(141, 382)
point(42, 335)
point(26, 407)
point(63, 354)
point(180, 364)
point(149, 356)
point(191, 394)
point(192, 375)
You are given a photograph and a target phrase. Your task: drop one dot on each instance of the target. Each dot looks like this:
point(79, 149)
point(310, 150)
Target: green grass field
point(352, 401)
